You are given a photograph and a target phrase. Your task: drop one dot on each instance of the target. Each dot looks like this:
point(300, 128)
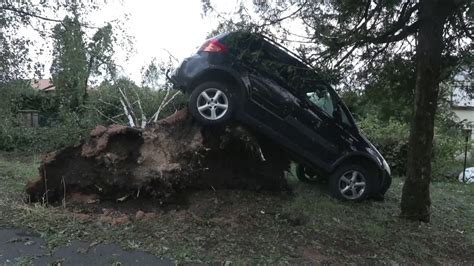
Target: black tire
point(353, 186)
point(205, 115)
point(307, 175)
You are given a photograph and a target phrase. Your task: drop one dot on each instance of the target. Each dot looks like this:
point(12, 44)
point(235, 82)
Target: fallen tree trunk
point(172, 156)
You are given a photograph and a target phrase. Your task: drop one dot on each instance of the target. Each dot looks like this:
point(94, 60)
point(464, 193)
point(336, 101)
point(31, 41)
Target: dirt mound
point(170, 157)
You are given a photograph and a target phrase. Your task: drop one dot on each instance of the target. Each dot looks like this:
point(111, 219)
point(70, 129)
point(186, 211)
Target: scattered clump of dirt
point(114, 218)
point(160, 162)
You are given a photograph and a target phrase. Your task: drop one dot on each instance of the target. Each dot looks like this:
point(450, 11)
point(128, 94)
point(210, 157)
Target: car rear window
point(260, 55)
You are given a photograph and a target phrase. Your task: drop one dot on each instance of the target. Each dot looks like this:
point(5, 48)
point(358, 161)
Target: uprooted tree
point(169, 157)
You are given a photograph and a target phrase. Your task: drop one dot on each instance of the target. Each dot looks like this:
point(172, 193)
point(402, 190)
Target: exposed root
point(172, 156)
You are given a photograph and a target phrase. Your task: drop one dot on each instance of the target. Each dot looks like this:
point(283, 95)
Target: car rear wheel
point(211, 103)
point(351, 183)
point(307, 175)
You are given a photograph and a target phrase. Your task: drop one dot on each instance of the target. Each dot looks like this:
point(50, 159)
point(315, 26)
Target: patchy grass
point(248, 228)
point(15, 170)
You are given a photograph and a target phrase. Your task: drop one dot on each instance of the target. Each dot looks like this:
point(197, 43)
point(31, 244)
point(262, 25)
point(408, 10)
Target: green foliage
point(100, 52)
point(9, 91)
point(13, 55)
point(447, 144)
point(15, 136)
point(391, 138)
point(30, 99)
point(384, 110)
point(18, 54)
point(69, 69)
point(102, 107)
point(105, 100)
point(75, 60)
point(389, 91)
point(153, 73)
point(20, 96)
point(74, 64)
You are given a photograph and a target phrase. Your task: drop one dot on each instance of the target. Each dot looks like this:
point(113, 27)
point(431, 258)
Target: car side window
point(321, 97)
point(273, 62)
point(270, 61)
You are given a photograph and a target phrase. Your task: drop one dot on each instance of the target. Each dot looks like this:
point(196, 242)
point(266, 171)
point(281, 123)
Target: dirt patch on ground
point(161, 161)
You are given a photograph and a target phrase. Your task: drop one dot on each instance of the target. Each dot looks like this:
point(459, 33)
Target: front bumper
point(172, 77)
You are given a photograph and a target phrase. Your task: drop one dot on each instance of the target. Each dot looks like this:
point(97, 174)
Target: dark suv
point(248, 77)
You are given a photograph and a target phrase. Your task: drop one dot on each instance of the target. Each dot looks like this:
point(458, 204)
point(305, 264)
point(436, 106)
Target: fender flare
point(358, 155)
point(242, 82)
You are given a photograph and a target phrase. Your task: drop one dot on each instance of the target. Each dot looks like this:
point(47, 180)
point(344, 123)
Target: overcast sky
point(160, 26)
point(157, 27)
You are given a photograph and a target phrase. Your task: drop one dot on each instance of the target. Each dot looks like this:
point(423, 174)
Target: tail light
point(213, 46)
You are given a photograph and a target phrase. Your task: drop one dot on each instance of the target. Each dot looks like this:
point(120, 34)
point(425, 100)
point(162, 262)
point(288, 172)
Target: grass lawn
point(251, 227)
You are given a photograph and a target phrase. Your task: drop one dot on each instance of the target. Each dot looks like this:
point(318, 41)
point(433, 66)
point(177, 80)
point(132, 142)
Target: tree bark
point(415, 203)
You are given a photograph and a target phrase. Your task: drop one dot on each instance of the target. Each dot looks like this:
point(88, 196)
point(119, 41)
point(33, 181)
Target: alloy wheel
point(352, 184)
point(212, 104)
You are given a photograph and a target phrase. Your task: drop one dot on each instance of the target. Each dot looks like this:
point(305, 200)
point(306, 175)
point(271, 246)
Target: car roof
point(267, 39)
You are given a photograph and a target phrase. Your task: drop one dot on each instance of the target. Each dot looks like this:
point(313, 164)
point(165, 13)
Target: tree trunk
point(415, 204)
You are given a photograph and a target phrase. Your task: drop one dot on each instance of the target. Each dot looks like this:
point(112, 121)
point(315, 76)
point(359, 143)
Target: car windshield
point(322, 99)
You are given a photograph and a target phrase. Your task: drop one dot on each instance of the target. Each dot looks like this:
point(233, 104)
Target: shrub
point(447, 144)
point(391, 138)
point(102, 107)
point(14, 136)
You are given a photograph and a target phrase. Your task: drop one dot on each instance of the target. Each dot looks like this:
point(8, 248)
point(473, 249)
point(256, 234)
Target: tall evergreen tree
point(69, 68)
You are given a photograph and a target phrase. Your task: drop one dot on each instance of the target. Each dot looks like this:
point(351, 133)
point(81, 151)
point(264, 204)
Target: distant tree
point(74, 62)
point(69, 69)
point(154, 77)
point(152, 73)
point(100, 52)
point(18, 53)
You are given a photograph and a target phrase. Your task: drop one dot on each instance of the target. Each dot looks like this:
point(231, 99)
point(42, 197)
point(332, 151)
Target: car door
point(268, 90)
point(316, 119)
point(271, 101)
point(271, 96)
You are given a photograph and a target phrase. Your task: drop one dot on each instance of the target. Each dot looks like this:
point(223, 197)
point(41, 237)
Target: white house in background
point(462, 102)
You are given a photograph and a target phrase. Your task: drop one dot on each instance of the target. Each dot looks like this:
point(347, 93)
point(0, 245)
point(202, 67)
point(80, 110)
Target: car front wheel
point(211, 103)
point(351, 183)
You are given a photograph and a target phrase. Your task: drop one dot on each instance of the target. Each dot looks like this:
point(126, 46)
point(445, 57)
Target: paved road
point(19, 247)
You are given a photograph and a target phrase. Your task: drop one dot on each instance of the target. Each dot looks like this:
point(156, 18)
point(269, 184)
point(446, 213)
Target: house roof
point(47, 85)
point(42, 84)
